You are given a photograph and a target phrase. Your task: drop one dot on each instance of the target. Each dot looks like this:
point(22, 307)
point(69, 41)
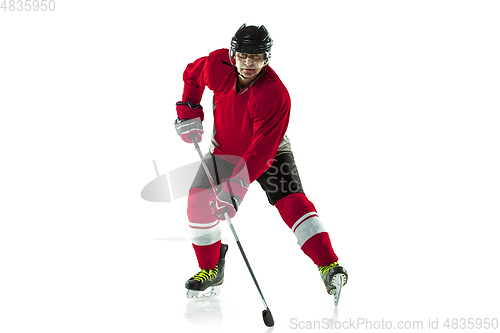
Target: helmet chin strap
point(234, 68)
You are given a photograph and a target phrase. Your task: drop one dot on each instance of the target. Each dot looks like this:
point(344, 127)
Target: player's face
point(249, 65)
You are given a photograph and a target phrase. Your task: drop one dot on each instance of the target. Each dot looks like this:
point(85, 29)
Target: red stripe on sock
point(293, 207)
point(307, 218)
point(204, 227)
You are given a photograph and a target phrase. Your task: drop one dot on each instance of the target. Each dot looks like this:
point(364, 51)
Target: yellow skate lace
point(206, 274)
point(325, 269)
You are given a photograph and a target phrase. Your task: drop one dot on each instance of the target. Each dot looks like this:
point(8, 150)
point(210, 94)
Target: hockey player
point(248, 143)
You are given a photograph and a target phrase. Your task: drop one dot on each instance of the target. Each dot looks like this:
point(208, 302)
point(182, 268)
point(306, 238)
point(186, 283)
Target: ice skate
point(206, 283)
point(334, 278)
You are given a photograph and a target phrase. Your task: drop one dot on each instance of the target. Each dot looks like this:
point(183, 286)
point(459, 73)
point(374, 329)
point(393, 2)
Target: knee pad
point(204, 228)
point(198, 209)
point(300, 216)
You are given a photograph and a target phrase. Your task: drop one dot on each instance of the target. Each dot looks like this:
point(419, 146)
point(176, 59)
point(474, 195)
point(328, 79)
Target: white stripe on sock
point(309, 227)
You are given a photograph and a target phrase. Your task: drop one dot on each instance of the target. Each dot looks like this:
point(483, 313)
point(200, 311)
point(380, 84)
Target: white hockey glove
point(186, 127)
point(189, 121)
point(229, 199)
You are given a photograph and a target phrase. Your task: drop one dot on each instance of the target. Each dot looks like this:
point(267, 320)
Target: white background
point(395, 129)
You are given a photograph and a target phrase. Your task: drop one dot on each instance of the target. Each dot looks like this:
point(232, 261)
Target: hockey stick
point(266, 314)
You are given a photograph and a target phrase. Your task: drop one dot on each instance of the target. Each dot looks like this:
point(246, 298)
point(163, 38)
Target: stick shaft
point(226, 215)
point(205, 166)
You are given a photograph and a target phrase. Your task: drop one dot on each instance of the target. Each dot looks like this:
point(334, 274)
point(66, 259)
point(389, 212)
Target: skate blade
point(337, 282)
point(209, 292)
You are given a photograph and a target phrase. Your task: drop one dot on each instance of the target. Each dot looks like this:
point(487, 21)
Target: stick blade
point(268, 318)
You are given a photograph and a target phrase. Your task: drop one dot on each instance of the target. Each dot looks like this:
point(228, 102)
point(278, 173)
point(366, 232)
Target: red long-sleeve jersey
point(249, 124)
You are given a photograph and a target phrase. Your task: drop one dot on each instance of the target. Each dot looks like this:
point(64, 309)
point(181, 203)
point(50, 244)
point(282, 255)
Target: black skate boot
point(334, 278)
point(206, 283)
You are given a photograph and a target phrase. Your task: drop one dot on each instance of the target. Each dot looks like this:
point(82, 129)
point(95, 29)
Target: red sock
point(318, 247)
point(208, 255)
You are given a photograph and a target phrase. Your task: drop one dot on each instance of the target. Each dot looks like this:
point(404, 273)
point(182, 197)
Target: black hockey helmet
point(252, 40)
